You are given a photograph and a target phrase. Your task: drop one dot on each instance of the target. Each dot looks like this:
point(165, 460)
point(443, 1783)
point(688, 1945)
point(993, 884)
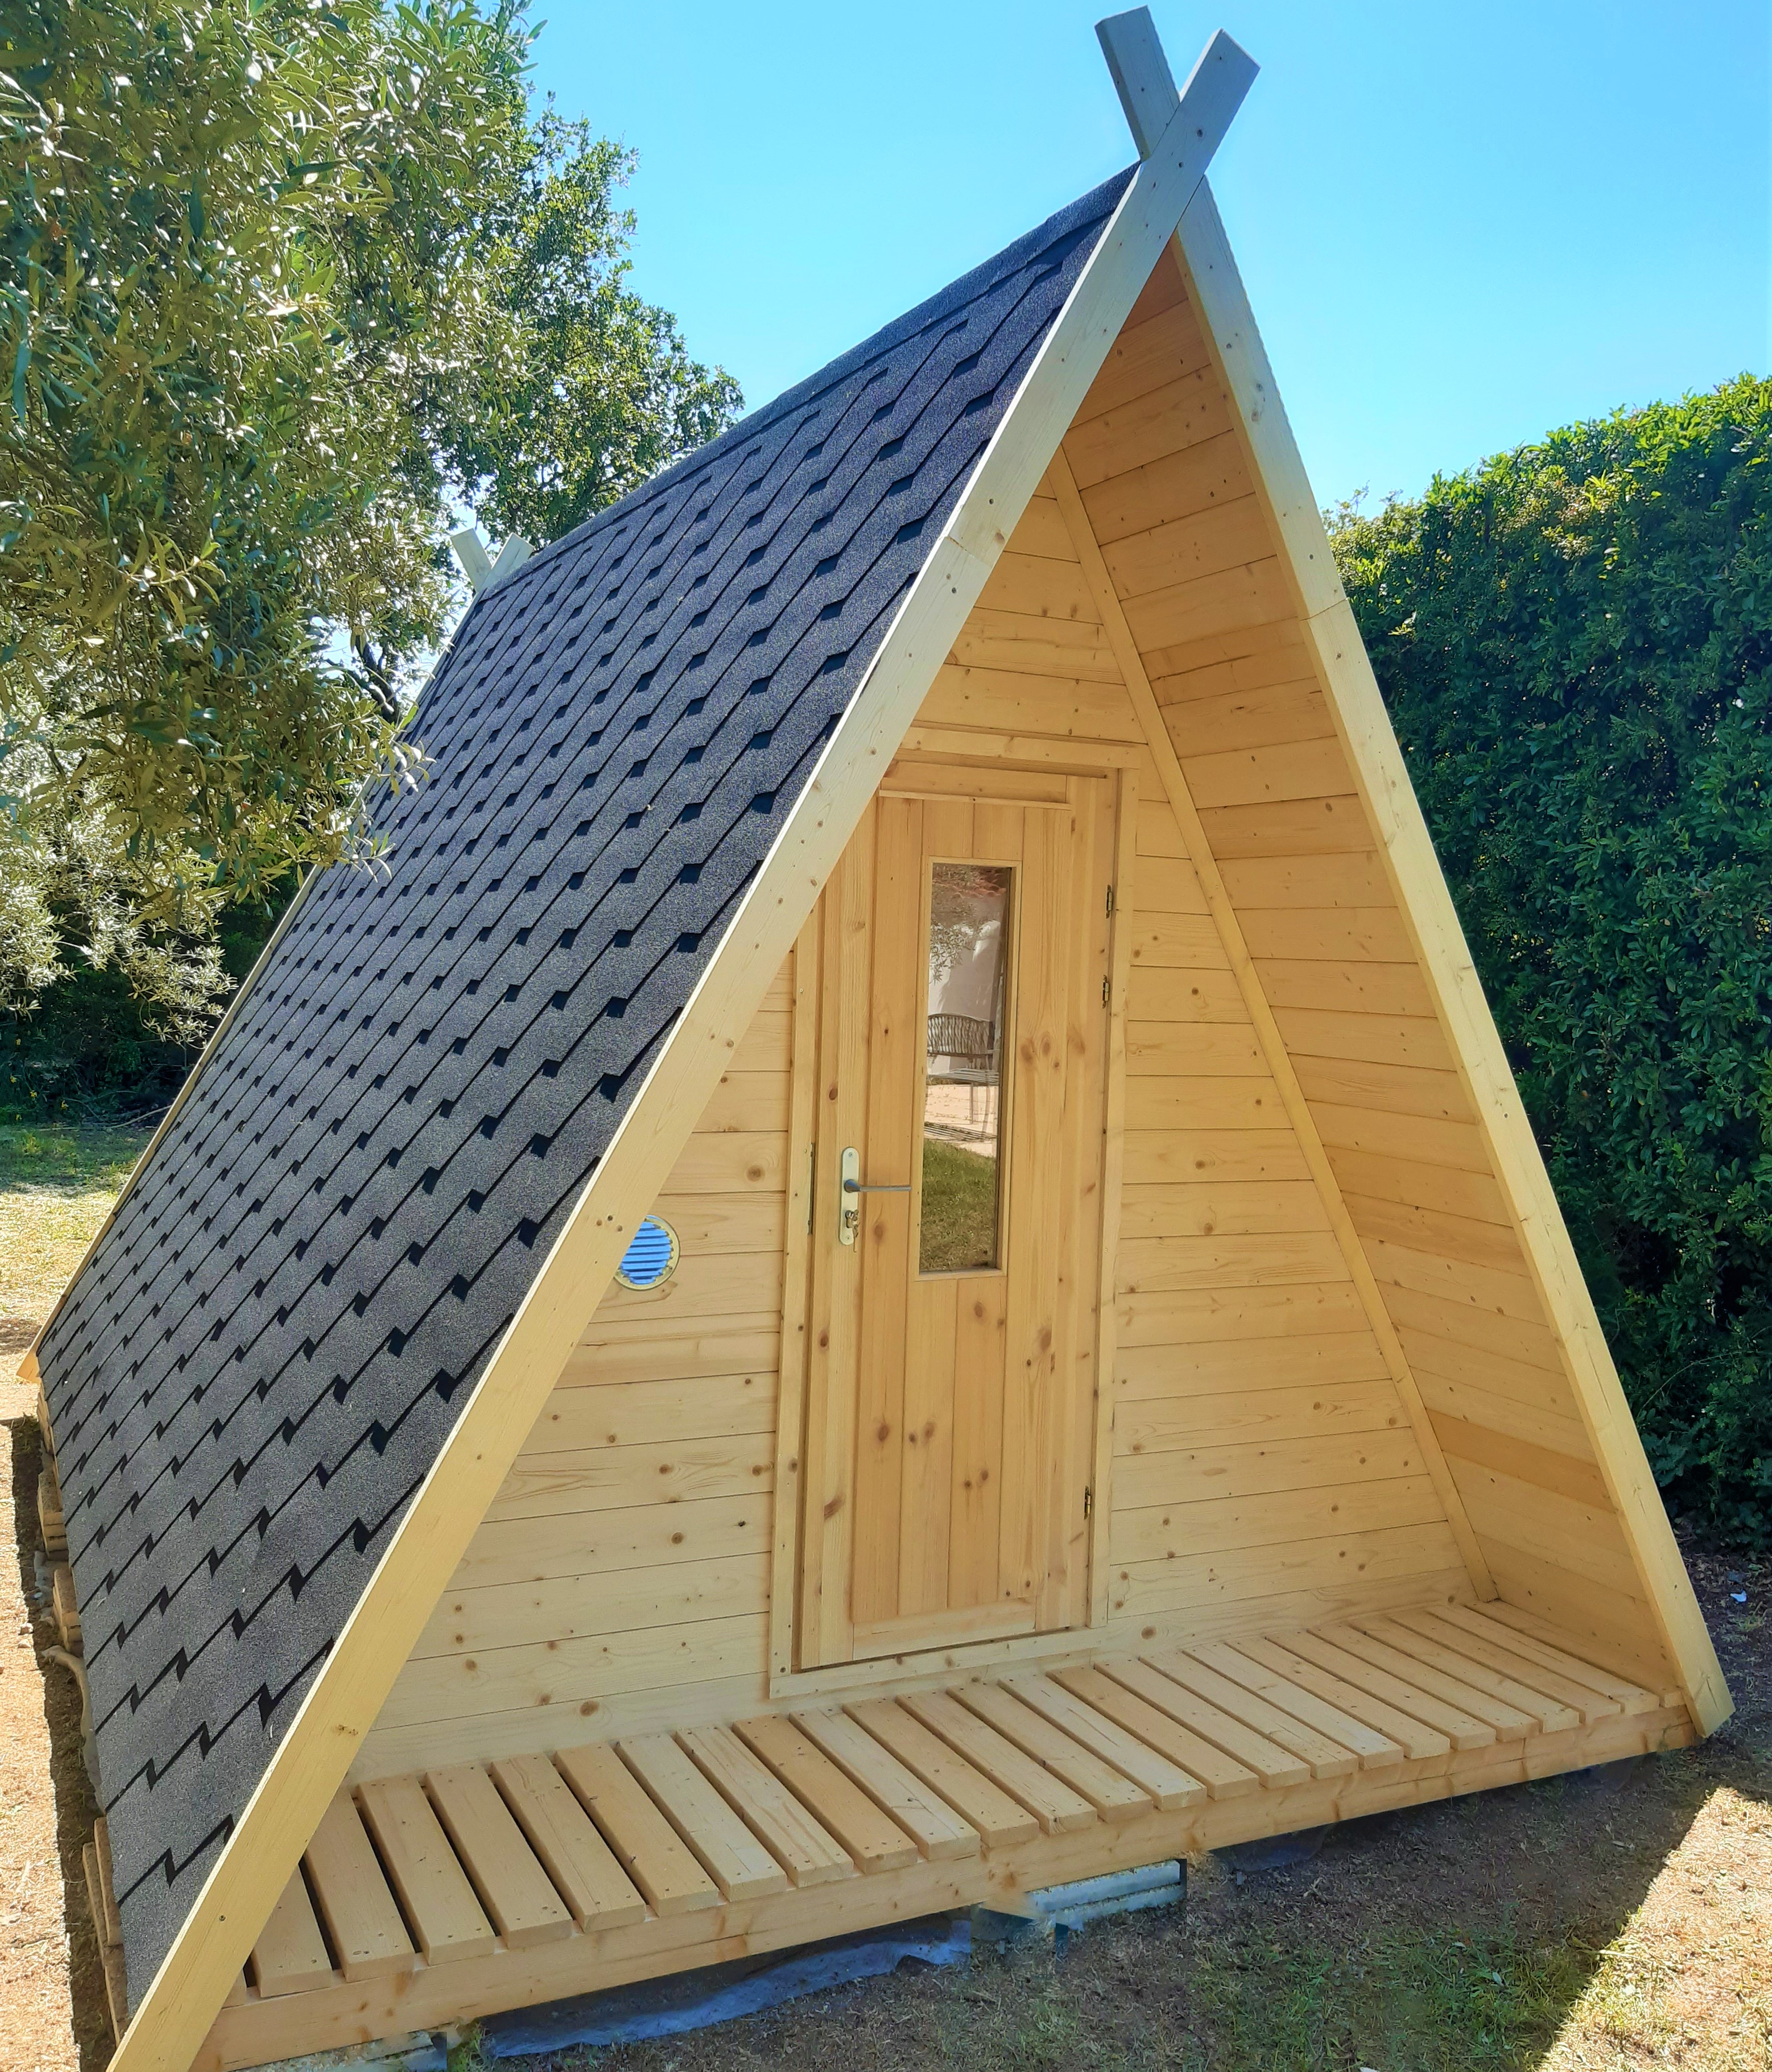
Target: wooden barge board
point(529, 1881)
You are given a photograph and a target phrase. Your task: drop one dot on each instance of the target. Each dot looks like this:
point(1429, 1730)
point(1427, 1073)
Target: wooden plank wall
point(1264, 1469)
point(1263, 1466)
point(620, 1583)
point(1261, 1447)
point(1164, 480)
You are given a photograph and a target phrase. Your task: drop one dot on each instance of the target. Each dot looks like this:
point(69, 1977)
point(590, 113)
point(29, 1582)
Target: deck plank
point(1509, 1722)
point(1632, 1698)
point(1546, 1714)
point(1324, 1757)
point(723, 1845)
point(435, 1895)
point(809, 1855)
point(1417, 1741)
point(1463, 1729)
point(1275, 1767)
point(290, 1954)
point(513, 1888)
point(1166, 1781)
point(1001, 1822)
point(1223, 1776)
point(646, 1845)
point(361, 1915)
point(1053, 1803)
point(931, 1821)
point(1581, 1699)
point(1375, 1750)
point(1671, 1695)
point(876, 1843)
point(1114, 1796)
point(565, 1839)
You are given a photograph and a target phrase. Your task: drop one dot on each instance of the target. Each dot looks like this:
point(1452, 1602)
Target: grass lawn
point(57, 1183)
point(959, 1207)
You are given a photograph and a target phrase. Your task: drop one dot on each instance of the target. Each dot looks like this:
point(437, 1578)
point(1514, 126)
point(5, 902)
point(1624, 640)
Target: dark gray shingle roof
point(275, 1337)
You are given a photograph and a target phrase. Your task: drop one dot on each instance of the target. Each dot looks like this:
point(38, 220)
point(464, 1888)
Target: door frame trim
point(792, 1484)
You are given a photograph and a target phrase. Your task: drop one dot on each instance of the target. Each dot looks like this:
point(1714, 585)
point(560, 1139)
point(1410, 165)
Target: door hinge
point(1088, 1499)
point(1110, 902)
point(812, 1181)
point(1107, 991)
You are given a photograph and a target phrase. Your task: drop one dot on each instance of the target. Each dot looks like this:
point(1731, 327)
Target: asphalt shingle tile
point(273, 1340)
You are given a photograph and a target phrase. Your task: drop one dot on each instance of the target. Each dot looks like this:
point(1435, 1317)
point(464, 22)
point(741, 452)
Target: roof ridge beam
point(1146, 86)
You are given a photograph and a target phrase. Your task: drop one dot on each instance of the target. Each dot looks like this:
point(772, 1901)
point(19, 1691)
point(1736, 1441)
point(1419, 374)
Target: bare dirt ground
point(1617, 1922)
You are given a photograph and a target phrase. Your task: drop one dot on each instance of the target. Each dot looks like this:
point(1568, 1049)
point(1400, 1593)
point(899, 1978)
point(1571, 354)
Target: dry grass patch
point(57, 1184)
point(1688, 1980)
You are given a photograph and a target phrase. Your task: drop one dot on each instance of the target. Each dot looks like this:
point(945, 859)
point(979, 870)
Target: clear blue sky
point(1460, 224)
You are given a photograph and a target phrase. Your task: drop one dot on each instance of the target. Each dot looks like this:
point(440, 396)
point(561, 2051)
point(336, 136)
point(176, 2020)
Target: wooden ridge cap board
point(1060, 299)
point(1078, 278)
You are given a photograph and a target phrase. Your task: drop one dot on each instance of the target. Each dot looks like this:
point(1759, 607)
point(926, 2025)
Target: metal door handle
point(851, 1184)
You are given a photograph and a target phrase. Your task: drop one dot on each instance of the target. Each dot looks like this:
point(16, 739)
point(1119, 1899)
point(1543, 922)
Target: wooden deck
point(427, 1901)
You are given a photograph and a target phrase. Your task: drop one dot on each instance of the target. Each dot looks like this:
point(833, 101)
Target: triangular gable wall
point(1254, 662)
point(1262, 1464)
point(1313, 1239)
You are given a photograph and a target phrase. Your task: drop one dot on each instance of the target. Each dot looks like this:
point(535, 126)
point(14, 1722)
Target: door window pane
point(963, 1105)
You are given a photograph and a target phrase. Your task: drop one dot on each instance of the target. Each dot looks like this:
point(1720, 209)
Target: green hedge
point(1575, 642)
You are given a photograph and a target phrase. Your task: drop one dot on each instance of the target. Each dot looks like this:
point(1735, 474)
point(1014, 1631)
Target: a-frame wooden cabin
point(963, 780)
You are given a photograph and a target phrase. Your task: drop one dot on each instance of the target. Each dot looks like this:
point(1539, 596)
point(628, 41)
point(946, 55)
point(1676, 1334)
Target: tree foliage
point(1575, 643)
point(278, 281)
point(604, 393)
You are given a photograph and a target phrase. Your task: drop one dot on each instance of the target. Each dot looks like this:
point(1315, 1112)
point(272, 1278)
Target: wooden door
point(956, 1218)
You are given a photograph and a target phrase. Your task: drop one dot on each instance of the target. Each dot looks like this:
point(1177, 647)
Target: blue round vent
point(650, 1258)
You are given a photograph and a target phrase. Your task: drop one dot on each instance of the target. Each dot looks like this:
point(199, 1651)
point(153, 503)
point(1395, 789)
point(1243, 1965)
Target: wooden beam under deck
point(529, 1881)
